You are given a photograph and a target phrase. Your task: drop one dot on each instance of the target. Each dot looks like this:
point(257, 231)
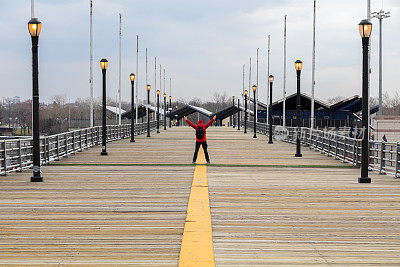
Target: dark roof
point(141, 113)
point(187, 110)
point(305, 102)
point(229, 111)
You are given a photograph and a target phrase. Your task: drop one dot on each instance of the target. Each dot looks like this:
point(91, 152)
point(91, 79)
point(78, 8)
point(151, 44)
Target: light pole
point(238, 114)
point(298, 65)
point(365, 28)
point(104, 65)
point(177, 121)
point(255, 110)
point(380, 15)
point(233, 115)
point(148, 109)
point(170, 108)
point(34, 27)
point(132, 77)
point(271, 81)
point(165, 111)
point(158, 111)
point(245, 111)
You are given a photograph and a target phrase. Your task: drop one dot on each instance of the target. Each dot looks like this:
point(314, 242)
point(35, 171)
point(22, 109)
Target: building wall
point(389, 126)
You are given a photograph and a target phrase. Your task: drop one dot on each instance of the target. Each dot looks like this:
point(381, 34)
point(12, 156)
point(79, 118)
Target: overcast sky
point(201, 44)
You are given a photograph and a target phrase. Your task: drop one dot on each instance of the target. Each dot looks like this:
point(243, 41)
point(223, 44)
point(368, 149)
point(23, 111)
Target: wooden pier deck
point(267, 207)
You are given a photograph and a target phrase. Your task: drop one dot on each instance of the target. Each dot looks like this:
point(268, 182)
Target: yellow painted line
point(197, 243)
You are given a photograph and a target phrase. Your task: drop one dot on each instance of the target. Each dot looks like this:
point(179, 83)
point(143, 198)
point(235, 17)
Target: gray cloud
point(202, 45)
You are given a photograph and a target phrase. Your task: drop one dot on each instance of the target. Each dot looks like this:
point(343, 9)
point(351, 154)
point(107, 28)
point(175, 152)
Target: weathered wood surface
point(260, 215)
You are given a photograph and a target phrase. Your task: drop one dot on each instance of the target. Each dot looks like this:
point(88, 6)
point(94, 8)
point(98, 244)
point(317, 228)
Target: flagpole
point(269, 56)
point(284, 77)
point(137, 71)
point(90, 64)
point(120, 66)
point(313, 72)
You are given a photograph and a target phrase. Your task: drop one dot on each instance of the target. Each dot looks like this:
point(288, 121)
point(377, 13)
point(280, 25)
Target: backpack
point(200, 133)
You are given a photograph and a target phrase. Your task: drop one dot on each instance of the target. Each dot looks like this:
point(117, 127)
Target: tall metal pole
point(37, 176)
point(165, 112)
point(270, 109)
point(104, 121)
point(137, 83)
point(239, 113)
point(380, 15)
point(148, 112)
point(133, 108)
point(91, 66)
point(170, 101)
point(33, 8)
point(313, 71)
point(268, 60)
point(158, 111)
point(120, 67)
point(250, 76)
point(155, 76)
point(298, 115)
point(365, 111)
point(255, 111)
point(245, 113)
point(256, 95)
point(284, 77)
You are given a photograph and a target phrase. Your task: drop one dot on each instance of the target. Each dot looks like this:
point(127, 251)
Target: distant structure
point(16, 100)
point(388, 126)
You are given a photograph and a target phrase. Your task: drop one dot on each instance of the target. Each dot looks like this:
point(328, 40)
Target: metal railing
point(384, 157)
point(16, 154)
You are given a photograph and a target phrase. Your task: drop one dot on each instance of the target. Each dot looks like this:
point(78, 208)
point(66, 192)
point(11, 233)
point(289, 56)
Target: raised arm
point(210, 122)
point(190, 123)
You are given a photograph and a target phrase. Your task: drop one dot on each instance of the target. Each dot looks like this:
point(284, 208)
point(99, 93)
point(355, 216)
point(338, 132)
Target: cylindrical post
point(133, 112)
point(158, 112)
point(270, 112)
point(37, 177)
point(165, 112)
point(255, 115)
point(298, 105)
point(104, 122)
point(148, 112)
point(365, 115)
point(238, 102)
point(245, 113)
point(170, 107)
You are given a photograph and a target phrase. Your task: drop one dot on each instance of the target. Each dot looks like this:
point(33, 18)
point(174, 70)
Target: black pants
point(196, 151)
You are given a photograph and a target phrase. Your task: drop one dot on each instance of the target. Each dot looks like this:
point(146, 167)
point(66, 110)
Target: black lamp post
point(255, 111)
point(104, 65)
point(158, 111)
point(148, 109)
point(298, 65)
point(132, 77)
point(245, 111)
point(233, 115)
point(176, 116)
point(165, 111)
point(239, 114)
point(170, 107)
point(34, 27)
point(365, 28)
point(271, 81)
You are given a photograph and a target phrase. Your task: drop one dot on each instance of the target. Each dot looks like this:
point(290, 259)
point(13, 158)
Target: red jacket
point(200, 124)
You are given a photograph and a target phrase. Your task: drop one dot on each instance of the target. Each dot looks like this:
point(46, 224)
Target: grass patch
point(211, 165)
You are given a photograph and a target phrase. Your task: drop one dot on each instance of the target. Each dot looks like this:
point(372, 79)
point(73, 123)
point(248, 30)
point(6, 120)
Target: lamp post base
point(298, 155)
point(364, 180)
point(158, 131)
point(104, 153)
point(148, 135)
point(245, 132)
point(36, 179)
point(132, 141)
point(254, 136)
point(270, 142)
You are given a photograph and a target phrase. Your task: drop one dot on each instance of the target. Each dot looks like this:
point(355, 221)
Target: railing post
point(19, 155)
point(58, 146)
point(397, 172)
point(73, 142)
point(382, 159)
point(4, 157)
point(48, 150)
point(345, 150)
point(329, 144)
point(80, 141)
point(354, 152)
